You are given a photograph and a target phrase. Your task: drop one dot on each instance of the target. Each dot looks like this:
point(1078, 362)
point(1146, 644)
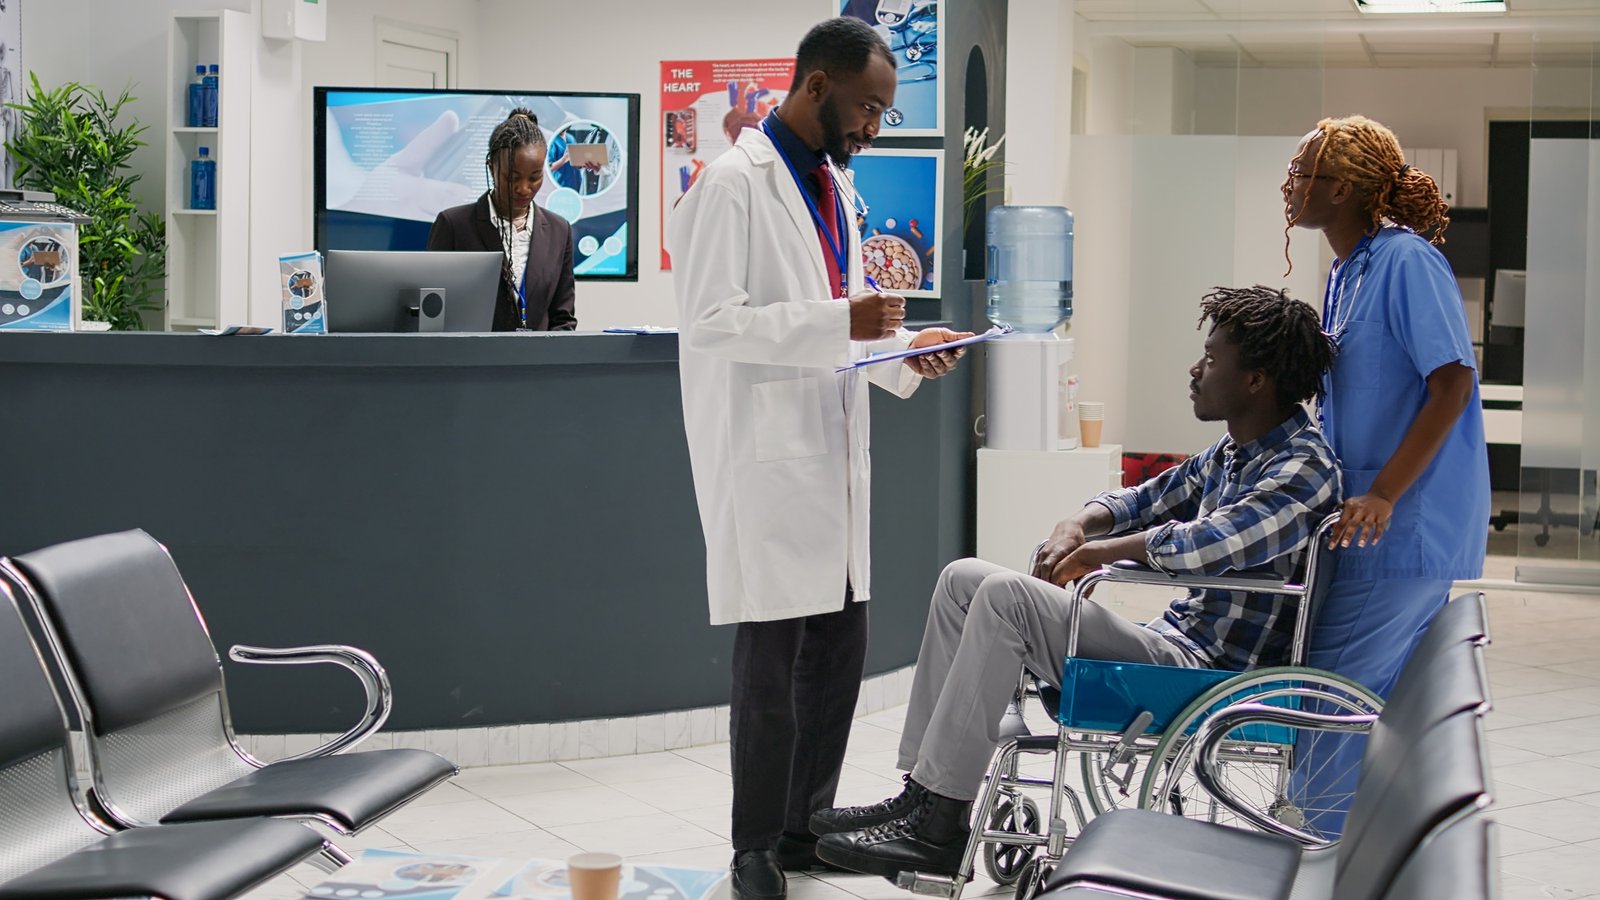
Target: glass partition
point(1557, 509)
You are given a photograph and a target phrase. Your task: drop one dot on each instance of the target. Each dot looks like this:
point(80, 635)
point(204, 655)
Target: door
point(409, 56)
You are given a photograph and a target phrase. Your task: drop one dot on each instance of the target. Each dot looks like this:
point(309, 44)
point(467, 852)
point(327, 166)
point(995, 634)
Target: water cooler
point(1029, 287)
point(1031, 471)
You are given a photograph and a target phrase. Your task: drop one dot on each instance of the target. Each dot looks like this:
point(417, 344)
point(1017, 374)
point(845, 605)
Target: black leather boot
point(931, 839)
point(757, 876)
point(855, 818)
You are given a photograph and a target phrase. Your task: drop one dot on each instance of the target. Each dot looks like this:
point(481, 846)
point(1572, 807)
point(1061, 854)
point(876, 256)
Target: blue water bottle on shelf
point(197, 98)
point(212, 80)
point(1029, 284)
point(203, 181)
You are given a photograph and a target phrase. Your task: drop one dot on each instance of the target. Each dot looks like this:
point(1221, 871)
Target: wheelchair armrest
point(374, 680)
point(1129, 572)
point(1208, 739)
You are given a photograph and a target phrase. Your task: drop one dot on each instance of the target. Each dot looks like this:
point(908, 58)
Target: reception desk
point(506, 521)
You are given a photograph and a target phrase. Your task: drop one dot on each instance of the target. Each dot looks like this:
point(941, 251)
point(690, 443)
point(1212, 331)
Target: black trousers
point(795, 683)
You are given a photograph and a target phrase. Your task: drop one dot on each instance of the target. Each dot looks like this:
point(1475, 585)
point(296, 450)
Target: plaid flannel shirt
point(1234, 508)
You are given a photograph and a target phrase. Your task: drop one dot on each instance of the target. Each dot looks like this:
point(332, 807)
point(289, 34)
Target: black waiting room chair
point(53, 848)
point(1424, 774)
point(148, 690)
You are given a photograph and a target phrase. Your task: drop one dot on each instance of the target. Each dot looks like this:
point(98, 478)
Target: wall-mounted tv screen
point(388, 160)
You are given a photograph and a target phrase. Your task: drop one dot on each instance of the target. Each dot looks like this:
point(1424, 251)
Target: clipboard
point(991, 334)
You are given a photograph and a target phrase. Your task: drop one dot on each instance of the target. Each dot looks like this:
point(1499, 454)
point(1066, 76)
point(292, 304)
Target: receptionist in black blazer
point(536, 285)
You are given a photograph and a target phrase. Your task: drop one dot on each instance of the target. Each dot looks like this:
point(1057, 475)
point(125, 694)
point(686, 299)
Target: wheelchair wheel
point(1005, 862)
point(1300, 777)
point(1032, 877)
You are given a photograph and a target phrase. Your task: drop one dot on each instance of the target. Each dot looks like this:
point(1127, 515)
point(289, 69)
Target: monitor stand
point(427, 306)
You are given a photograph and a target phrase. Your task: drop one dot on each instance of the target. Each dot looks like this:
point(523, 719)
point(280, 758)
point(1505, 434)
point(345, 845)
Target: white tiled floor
point(673, 806)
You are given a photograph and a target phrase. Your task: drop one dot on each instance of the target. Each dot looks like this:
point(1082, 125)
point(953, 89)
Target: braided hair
point(520, 129)
point(1275, 333)
point(1367, 154)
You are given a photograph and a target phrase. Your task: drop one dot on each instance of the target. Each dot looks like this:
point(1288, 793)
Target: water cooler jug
point(1029, 287)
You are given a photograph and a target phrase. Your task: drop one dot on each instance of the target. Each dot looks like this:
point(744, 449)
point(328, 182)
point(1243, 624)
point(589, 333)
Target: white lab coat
point(777, 440)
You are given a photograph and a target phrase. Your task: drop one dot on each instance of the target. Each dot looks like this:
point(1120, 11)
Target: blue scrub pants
point(1364, 631)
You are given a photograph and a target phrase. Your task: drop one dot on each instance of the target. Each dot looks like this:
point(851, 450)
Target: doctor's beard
point(834, 142)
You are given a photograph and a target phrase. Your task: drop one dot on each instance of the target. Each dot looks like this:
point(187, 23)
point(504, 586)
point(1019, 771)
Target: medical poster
point(300, 277)
point(900, 190)
point(40, 289)
point(911, 29)
point(704, 106)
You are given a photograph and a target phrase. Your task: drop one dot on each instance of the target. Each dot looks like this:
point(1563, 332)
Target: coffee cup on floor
point(594, 876)
point(1091, 417)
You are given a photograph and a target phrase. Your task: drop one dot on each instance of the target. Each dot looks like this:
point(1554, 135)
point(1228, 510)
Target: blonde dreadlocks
point(1367, 154)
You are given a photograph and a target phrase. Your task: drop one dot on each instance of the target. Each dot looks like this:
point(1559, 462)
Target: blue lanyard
point(816, 214)
point(522, 290)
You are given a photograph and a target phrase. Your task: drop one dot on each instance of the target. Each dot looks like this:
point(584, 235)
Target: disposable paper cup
point(1091, 418)
point(594, 876)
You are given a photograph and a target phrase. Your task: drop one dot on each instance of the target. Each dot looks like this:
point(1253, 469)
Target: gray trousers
point(985, 623)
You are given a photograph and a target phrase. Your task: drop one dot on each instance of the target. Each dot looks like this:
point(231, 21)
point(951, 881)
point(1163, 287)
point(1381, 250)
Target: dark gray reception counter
point(506, 521)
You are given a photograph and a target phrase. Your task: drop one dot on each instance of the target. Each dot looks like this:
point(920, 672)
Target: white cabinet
point(208, 250)
point(1022, 494)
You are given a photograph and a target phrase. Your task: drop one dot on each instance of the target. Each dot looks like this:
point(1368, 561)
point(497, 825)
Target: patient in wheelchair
point(1249, 502)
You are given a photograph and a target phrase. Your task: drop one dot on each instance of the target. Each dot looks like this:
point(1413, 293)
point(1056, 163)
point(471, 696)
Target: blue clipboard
point(991, 334)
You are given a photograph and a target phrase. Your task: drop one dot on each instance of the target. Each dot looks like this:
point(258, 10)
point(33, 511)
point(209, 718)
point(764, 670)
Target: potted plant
point(72, 144)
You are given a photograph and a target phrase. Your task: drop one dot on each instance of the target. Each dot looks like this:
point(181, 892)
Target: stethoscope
point(918, 35)
point(1336, 310)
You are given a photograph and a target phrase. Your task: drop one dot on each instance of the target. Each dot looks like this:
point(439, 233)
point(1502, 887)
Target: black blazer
point(549, 272)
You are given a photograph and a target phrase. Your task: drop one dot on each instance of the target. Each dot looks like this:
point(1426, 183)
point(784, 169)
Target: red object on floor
point(1137, 468)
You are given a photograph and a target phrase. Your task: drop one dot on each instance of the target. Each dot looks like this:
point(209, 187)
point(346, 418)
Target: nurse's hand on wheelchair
point(1363, 519)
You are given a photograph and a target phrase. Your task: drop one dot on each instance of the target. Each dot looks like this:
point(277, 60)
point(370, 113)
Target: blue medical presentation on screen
point(387, 161)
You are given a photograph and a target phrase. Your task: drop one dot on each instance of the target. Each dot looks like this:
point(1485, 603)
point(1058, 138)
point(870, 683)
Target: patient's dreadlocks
point(520, 129)
point(1367, 154)
point(1276, 333)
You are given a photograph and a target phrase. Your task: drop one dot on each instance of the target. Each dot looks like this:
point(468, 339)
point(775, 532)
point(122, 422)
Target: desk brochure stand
point(431, 876)
point(304, 307)
point(40, 287)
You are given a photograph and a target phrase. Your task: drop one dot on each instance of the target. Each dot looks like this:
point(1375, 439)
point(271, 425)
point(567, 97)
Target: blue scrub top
point(1405, 320)
point(569, 175)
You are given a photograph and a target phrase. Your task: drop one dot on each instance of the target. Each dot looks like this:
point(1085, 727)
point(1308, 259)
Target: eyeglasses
point(1297, 175)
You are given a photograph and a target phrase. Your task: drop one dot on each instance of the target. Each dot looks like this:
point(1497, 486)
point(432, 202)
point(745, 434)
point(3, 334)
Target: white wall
point(1442, 108)
point(639, 35)
point(122, 44)
point(1038, 101)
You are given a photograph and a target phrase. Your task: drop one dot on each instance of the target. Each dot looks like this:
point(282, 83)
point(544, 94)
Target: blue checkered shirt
point(1234, 508)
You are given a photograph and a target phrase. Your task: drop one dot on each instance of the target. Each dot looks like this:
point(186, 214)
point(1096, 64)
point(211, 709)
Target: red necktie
point(828, 206)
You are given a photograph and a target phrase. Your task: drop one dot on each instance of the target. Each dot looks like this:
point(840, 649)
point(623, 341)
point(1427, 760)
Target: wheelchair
point(1129, 726)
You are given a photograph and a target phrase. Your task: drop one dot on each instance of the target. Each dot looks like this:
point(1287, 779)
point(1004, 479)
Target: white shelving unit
point(208, 250)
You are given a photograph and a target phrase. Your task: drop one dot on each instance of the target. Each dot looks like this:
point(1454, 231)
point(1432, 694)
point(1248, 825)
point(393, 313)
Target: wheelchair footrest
point(926, 884)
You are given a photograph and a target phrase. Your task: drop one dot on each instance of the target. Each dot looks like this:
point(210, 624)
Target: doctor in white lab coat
point(771, 302)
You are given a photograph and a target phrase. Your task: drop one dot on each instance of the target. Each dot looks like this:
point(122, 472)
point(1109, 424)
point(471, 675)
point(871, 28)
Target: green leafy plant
point(977, 161)
point(72, 144)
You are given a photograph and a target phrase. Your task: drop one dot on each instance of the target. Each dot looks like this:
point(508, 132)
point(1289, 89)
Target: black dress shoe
point(799, 854)
point(931, 839)
point(757, 876)
point(855, 818)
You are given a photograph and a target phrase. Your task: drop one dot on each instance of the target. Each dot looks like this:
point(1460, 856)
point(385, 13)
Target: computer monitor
point(382, 290)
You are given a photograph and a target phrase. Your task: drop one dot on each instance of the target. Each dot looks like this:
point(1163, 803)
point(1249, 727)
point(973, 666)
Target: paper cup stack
point(1091, 416)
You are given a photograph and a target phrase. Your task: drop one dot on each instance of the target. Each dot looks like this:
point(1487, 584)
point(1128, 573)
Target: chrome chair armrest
point(1129, 572)
point(1209, 736)
point(374, 680)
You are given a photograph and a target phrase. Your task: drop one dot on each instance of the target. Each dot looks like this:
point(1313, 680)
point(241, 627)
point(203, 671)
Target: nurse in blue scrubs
point(1400, 407)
